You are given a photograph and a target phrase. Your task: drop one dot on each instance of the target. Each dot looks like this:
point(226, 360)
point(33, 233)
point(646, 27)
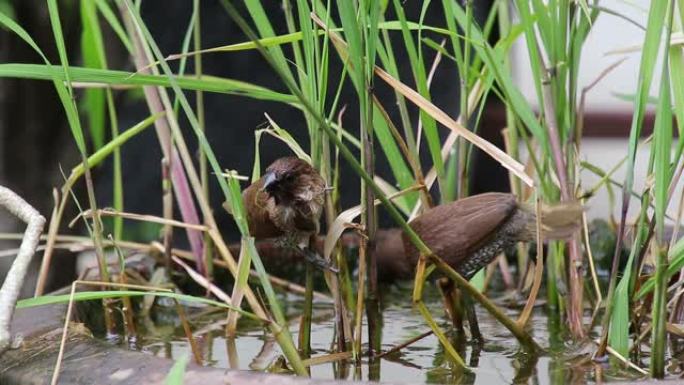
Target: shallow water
point(498, 361)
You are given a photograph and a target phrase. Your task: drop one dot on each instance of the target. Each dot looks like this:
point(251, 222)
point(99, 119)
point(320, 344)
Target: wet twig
point(405, 344)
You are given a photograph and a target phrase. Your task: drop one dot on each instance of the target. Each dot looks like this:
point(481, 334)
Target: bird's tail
point(558, 221)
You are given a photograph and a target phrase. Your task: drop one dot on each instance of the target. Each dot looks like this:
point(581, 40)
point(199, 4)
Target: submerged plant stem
point(197, 355)
point(305, 322)
point(167, 204)
point(360, 293)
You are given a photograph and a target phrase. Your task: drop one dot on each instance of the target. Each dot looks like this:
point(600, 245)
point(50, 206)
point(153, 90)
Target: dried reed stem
point(15, 277)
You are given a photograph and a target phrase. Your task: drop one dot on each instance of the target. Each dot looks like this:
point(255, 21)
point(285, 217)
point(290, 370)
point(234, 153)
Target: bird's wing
point(457, 229)
point(260, 224)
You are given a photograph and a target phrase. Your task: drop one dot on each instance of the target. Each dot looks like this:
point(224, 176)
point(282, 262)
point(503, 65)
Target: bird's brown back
point(455, 230)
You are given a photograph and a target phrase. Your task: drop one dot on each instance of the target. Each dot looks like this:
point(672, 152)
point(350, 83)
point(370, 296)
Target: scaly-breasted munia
point(287, 203)
point(470, 232)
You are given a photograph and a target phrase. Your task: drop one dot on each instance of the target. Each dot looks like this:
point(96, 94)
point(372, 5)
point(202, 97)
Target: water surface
point(500, 360)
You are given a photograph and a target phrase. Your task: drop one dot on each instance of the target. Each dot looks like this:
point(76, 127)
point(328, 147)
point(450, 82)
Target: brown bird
point(470, 232)
point(287, 203)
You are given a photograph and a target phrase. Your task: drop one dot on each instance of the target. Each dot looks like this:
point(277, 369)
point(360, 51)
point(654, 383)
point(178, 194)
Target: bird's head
point(283, 179)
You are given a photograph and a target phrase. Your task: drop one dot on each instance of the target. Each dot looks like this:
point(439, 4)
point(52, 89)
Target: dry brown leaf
point(199, 278)
point(138, 217)
point(504, 159)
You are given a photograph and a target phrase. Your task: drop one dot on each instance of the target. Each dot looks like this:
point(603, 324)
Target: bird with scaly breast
point(287, 203)
point(470, 232)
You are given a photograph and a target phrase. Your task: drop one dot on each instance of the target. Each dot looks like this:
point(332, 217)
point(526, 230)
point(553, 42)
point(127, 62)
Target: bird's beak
point(269, 179)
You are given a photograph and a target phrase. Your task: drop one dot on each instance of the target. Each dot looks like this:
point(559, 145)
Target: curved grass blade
point(98, 295)
point(114, 77)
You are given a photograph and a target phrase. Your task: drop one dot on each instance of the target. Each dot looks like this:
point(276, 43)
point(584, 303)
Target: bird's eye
point(288, 177)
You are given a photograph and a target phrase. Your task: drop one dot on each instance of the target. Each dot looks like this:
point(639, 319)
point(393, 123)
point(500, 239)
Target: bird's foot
point(318, 261)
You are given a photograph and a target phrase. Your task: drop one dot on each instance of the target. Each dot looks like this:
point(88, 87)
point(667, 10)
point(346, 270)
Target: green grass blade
point(98, 156)
point(298, 36)
point(649, 54)
point(281, 134)
point(65, 94)
point(676, 258)
point(113, 77)
point(92, 48)
point(618, 334)
point(372, 14)
point(648, 58)
point(352, 33)
point(263, 25)
point(177, 373)
point(62, 92)
point(493, 58)
point(114, 23)
point(528, 20)
point(401, 171)
point(185, 47)
point(662, 143)
point(10, 24)
point(420, 78)
point(389, 62)
point(677, 82)
point(98, 295)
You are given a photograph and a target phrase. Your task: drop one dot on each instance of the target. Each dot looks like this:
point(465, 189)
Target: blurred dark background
point(36, 141)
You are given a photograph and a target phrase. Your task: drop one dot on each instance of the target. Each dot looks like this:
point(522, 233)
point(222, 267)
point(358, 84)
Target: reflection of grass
point(357, 35)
